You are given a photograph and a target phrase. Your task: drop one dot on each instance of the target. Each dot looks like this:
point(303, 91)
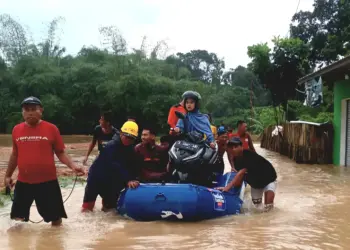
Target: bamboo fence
point(303, 143)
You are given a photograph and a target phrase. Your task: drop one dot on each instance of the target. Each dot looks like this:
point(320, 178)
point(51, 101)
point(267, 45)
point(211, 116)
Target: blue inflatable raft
point(182, 202)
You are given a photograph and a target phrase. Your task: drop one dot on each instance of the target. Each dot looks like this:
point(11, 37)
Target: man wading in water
point(103, 133)
point(247, 142)
point(113, 170)
point(256, 170)
point(34, 143)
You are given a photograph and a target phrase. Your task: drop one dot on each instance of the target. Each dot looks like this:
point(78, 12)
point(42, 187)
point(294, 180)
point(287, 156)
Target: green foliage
point(280, 68)
point(300, 112)
point(322, 117)
point(74, 90)
point(145, 84)
point(257, 120)
point(317, 37)
point(326, 29)
point(4, 198)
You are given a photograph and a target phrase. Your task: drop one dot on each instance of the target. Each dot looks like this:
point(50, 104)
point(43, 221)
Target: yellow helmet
point(130, 128)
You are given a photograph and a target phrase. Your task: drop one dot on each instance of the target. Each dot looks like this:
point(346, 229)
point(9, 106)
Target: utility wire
point(296, 11)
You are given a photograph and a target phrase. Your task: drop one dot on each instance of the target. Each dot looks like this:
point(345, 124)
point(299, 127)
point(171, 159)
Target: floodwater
point(311, 212)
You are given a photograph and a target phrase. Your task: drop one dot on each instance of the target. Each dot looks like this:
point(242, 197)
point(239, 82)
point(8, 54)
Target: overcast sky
point(225, 27)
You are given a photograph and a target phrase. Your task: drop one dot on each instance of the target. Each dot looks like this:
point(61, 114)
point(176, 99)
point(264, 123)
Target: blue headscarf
point(198, 122)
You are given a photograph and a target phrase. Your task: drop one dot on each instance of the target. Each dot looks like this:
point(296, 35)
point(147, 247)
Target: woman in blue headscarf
point(194, 119)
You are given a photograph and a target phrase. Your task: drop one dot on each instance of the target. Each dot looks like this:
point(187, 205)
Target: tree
point(204, 66)
point(13, 39)
point(111, 39)
point(279, 69)
point(244, 78)
point(326, 29)
point(75, 89)
point(50, 47)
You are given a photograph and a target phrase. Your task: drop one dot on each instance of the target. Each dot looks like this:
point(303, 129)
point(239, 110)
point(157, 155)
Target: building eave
point(339, 64)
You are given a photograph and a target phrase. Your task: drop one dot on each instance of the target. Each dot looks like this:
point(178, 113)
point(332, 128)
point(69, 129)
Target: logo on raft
point(219, 201)
point(166, 214)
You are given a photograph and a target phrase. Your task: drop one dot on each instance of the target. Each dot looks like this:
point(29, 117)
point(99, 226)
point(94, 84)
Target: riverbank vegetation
point(74, 89)
point(146, 83)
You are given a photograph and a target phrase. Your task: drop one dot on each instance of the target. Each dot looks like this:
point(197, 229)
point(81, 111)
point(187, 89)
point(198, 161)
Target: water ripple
point(311, 212)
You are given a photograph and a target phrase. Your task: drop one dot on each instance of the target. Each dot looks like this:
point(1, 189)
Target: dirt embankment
point(76, 151)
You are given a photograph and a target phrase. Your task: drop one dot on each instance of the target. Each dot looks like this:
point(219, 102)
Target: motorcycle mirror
point(179, 115)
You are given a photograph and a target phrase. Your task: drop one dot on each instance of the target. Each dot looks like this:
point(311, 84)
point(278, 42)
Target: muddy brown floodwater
point(312, 212)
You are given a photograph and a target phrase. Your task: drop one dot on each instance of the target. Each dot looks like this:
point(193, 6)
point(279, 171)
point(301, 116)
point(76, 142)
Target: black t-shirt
point(260, 171)
point(102, 138)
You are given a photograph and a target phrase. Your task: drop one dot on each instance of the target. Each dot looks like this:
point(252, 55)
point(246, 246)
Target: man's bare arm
point(230, 160)
point(237, 180)
point(12, 165)
point(65, 159)
point(91, 147)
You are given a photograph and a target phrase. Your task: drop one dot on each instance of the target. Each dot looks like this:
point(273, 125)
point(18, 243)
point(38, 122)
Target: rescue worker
point(112, 170)
point(152, 158)
point(133, 119)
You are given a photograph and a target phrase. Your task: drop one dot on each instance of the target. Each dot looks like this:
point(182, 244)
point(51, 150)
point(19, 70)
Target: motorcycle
point(192, 160)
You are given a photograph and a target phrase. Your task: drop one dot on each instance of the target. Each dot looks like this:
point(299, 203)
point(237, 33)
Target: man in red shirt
point(34, 143)
point(247, 142)
point(152, 158)
point(229, 133)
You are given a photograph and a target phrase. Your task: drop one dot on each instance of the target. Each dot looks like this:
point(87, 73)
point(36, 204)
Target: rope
point(37, 222)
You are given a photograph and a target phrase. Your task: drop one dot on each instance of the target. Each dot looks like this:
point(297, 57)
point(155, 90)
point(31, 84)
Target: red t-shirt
point(35, 151)
point(244, 140)
point(229, 135)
